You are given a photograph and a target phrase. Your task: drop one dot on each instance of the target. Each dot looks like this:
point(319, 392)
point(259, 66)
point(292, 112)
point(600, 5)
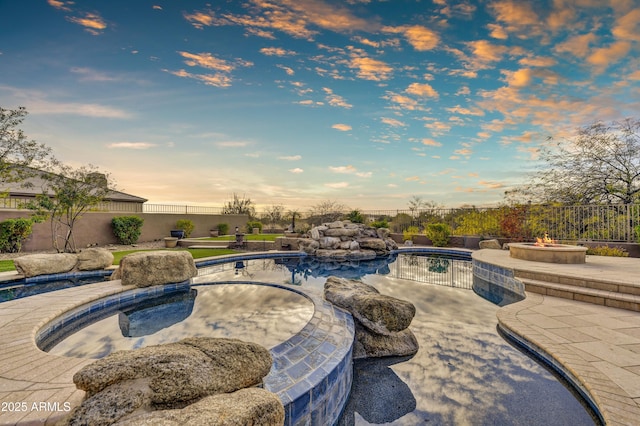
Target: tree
point(326, 211)
point(274, 215)
point(239, 205)
point(17, 152)
point(67, 194)
point(601, 164)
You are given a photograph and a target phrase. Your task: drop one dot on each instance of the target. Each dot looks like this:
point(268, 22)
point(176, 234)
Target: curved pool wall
point(311, 373)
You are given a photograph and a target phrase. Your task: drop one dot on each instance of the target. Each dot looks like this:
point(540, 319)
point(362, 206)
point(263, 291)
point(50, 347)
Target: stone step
point(596, 296)
point(595, 283)
point(203, 244)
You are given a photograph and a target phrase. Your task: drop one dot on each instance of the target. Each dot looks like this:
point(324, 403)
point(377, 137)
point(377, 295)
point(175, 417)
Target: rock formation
point(343, 240)
point(381, 321)
point(174, 384)
point(32, 265)
point(147, 268)
point(490, 244)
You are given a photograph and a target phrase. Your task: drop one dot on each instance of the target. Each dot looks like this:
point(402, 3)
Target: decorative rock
point(379, 313)
point(490, 244)
point(92, 259)
point(33, 265)
point(345, 235)
point(182, 371)
point(372, 345)
point(144, 269)
point(375, 244)
point(252, 406)
point(131, 383)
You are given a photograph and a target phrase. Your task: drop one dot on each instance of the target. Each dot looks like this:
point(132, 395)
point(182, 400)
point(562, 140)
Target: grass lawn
point(7, 265)
point(247, 237)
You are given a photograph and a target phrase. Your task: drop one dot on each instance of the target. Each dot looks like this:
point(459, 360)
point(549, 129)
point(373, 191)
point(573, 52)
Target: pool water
point(261, 314)
point(465, 372)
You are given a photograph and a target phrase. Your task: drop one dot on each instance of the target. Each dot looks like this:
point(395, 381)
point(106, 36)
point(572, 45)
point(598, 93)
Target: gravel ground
point(110, 247)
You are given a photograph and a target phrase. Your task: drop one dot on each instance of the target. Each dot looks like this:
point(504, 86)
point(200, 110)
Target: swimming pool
point(464, 372)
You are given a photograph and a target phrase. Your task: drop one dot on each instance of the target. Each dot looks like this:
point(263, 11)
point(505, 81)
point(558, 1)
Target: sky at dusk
point(293, 102)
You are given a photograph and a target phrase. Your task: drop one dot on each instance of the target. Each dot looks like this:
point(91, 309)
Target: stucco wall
point(95, 228)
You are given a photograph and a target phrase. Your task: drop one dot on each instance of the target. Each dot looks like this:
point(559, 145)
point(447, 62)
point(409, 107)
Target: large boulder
point(167, 376)
point(253, 406)
point(93, 259)
point(373, 345)
point(182, 371)
point(33, 265)
point(147, 268)
point(380, 313)
point(381, 321)
point(376, 244)
point(490, 244)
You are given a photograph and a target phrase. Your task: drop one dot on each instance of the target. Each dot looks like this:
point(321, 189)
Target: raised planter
point(549, 253)
point(177, 233)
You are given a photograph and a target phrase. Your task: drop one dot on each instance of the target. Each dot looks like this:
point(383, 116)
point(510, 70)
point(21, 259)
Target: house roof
point(34, 185)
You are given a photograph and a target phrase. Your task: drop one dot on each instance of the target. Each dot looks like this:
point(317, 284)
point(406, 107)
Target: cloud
point(61, 5)
point(288, 70)
point(337, 185)
point(206, 60)
point(341, 127)
point(419, 37)
point(370, 69)
point(466, 111)
point(422, 90)
point(628, 26)
point(86, 110)
point(231, 144)
point(335, 100)
point(392, 122)
point(132, 145)
point(343, 169)
point(484, 53)
point(217, 80)
point(412, 179)
point(491, 185)
point(89, 74)
point(92, 22)
point(430, 142)
point(516, 17)
point(297, 170)
point(602, 57)
point(291, 158)
point(276, 51)
point(578, 46)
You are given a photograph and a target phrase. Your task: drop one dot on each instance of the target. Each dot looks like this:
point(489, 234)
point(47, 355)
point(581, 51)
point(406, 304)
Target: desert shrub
point(223, 228)
point(607, 251)
point(355, 216)
point(438, 233)
point(254, 224)
point(379, 224)
point(127, 229)
point(186, 225)
point(13, 232)
point(401, 222)
point(409, 233)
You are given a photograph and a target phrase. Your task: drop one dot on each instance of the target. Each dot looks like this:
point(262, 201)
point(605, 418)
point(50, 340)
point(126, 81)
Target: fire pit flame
point(545, 241)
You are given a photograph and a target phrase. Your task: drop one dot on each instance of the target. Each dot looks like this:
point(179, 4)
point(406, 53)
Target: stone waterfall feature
point(344, 240)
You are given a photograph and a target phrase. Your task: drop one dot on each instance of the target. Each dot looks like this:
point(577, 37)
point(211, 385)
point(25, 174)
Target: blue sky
point(293, 102)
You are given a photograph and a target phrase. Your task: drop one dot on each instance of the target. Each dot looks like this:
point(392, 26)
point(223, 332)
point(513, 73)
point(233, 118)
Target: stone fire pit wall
point(551, 253)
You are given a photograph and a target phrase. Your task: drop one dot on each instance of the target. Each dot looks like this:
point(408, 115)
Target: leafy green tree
point(67, 194)
point(13, 232)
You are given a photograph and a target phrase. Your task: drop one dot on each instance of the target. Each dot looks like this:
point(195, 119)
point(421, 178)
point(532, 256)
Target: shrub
point(607, 251)
point(355, 216)
point(253, 224)
point(186, 225)
point(379, 224)
point(13, 232)
point(409, 233)
point(127, 229)
point(438, 233)
point(223, 228)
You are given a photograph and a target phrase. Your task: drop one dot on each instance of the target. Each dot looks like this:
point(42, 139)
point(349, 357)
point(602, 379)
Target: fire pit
point(546, 250)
